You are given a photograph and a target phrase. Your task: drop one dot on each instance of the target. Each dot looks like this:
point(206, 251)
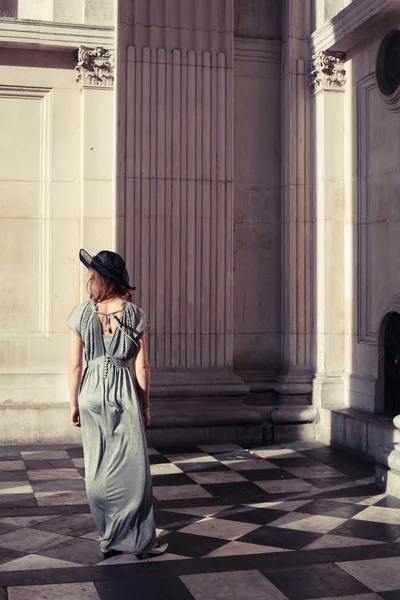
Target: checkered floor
point(295, 522)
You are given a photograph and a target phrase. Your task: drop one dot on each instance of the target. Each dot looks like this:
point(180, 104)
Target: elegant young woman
point(111, 404)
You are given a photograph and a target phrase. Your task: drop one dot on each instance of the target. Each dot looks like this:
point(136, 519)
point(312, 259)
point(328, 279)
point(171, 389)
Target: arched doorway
point(392, 365)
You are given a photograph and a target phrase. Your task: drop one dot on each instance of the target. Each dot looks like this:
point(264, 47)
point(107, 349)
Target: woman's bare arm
point(75, 375)
point(142, 367)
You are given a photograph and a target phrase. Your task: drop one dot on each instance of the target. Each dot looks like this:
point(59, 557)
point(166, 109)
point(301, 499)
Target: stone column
point(328, 81)
point(294, 384)
point(95, 73)
point(175, 189)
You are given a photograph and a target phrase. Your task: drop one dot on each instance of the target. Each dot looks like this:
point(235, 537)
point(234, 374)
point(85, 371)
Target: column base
point(294, 388)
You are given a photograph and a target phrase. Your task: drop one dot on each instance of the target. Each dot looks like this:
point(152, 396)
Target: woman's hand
point(75, 419)
point(146, 416)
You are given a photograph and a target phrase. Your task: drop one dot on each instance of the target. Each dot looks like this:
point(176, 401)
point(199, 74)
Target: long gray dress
point(118, 480)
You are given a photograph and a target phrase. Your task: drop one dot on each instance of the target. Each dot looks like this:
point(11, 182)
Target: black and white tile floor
point(295, 522)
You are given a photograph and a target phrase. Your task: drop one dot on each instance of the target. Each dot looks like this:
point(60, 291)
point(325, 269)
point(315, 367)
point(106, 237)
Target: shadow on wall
point(9, 8)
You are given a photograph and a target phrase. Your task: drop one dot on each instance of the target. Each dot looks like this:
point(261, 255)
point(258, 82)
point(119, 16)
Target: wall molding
point(45, 97)
point(45, 35)
point(366, 329)
point(255, 50)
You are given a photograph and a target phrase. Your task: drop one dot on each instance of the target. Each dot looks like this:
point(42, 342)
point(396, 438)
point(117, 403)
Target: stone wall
point(257, 214)
point(57, 174)
point(91, 12)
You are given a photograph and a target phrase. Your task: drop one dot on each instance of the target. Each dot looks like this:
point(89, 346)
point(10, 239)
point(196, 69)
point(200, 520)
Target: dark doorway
point(9, 8)
point(392, 365)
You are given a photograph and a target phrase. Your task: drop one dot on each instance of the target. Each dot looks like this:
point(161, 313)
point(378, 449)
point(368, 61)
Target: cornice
point(346, 29)
point(48, 35)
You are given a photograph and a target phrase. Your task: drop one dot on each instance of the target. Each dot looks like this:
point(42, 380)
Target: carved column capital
point(95, 67)
point(327, 71)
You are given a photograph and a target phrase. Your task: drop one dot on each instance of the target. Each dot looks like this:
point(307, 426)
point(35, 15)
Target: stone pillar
point(328, 81)
point(175, 189)
point(95, 73)
point(295, 381)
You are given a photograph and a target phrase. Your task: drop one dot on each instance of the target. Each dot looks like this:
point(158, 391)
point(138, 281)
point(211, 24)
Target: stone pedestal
point(387, 470)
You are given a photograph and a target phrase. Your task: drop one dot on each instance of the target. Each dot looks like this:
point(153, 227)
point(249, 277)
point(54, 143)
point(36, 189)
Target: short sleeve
point(74, 320)
point(143, 324)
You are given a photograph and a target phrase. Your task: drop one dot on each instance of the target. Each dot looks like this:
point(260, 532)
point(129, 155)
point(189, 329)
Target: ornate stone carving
point(95, 66)
point(327, 71)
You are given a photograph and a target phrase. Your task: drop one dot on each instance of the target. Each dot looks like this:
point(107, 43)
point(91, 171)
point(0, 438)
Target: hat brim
point(85, 258)
point(89, 263)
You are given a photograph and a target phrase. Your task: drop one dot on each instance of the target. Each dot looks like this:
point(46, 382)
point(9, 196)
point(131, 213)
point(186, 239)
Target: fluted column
point(328, 82)
point(178, 187)
point(295, 382)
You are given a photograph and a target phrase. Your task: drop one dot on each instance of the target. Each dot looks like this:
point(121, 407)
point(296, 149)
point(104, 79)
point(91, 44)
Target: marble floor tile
point(201, 511)
point(216, 477)
point(20, 522)
point(353, 597)
point(17, 500)
point(70, 525)
point(91, 536)
point(248, 465)
point(379, 514)
point(78, 550)
point(381, 532)
point(315, 523)
point(280, 538)
point(312, 472)
point(242, 549)
point(193, 546)
point(30, 540)
point(180, 492)
point(339, 541)
point(58, 485)
point(63, 591)
point(247, 514)
point(174, 520)
point(389, 502)
point(12, 465)
point(214, 448)
point(380, 574)
point(277, 453)
point(220, 528)
point(53, 474)
point(191, 458)
point(286, 486)
point(320, 581)
point(282, 506)
point(44, 454)
point(15, 487)
point(35, 561)
point(152, 451)
point(14, 476)
point(164, 469)
point(60, 498)
point(246, 585)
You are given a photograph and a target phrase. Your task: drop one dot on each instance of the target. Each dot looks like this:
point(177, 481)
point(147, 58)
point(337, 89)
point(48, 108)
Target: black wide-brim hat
point(108, 264)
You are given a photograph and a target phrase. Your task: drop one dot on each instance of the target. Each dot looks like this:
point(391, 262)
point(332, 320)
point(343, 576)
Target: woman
point(111, 403)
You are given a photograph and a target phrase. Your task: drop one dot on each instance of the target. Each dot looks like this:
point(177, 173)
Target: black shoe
point(110, 554)
point(158, 549)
